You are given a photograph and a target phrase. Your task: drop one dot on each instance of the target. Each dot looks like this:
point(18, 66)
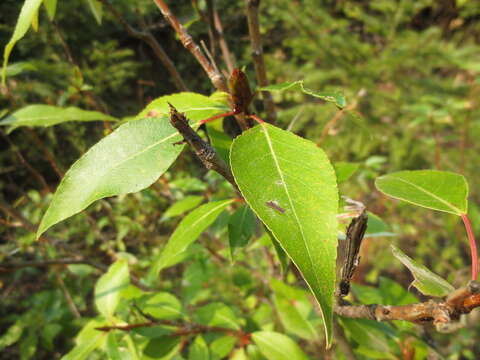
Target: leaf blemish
point(275, 206)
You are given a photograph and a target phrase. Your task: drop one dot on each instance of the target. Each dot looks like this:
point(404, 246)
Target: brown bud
point(240, 90)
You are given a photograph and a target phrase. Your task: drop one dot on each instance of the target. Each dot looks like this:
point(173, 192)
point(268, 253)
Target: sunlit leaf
point(427, 282)
point(182, 206)
point(187, 232)
point(109, 287)
point(88, 339)
point(276, 346)
point(217, 314)
point(437, 190)
point(198, 350)
point(344, 170)
point(127, 160)
point(290, 184)
point(27, 14)
point(160, 305)
point(48, 115)
point(335, 97)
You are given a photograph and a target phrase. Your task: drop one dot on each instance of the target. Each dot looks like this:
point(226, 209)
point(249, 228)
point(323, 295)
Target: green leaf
point(109, 287)
point(335, 97)
point(276, 346)
point(195, 106)
point(182, 206)
point(96, 7)
point(18, 68)
point(51, 6)
point(290, 184)
point(222, 346)
point(377, 227)
point(379, 337)
point(27, 14)
point(162, 348)
point(47, 115)
point(187, 232)
point(161, 305)
point(437, 190)
point(128, 160)
point(217, 314)
point(112, 347)
point(344, 170)
point(87, 340)
point(12, 334)
point(241, 227)
point(198, 350)
point(427, 282)
point(294, 308)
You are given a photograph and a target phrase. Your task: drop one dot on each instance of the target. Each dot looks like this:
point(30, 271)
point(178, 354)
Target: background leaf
point(437, 190)
point(127, 160)
point(335, 97)
point(187, 232)
point(51, 7)
point(109, 287)
point(47, 115)
point(27, 14)
point(276, 346)
point(88, 339)
point(182, 206)
point(290, 184)
point(96, 7)
point(241, 227)
point(427, 282)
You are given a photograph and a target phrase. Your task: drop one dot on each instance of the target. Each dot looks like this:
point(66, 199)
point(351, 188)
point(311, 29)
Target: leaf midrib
point(454, 208)
point(277, 165)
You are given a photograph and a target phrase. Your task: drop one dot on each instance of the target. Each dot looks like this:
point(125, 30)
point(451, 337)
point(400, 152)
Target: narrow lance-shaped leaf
point(334, 97)
point(427, 282)
point(128, 160)
point(290, 184)
point(48, 115)
point(187, 232)
point(437, 190)
point(51, 6)
point(27, 14)
point(109, 286)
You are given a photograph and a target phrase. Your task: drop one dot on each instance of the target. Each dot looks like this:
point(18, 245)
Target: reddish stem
point(473, 246)
point(230, 113)
point(256, 118)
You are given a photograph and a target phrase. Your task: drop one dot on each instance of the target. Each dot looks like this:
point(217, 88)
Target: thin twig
point(150, 40)
point(257, 55)
point(205, 152)
point(216, 77)
point(48, 155)
point(68, 298)
point(228, 56)
point(461, 301)
point(25, 163)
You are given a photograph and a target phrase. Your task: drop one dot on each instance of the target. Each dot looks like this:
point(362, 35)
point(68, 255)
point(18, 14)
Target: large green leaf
point(48, 115)
point(128, 160)
point(437, 190)
point(27, 14)
point(335, 97)
point(427, 282)
point(276, 346)
point(187, 232)
point(110, 286)
point(290, 184)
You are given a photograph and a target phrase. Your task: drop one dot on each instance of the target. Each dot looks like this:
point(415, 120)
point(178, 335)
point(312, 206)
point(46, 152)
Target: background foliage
point(410, 74)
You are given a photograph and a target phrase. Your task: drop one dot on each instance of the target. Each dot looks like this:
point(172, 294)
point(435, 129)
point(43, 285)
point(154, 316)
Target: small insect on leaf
point(274, 205)
point(240, 89)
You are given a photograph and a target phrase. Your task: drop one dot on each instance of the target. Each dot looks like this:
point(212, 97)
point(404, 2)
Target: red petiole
point(473, 246)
